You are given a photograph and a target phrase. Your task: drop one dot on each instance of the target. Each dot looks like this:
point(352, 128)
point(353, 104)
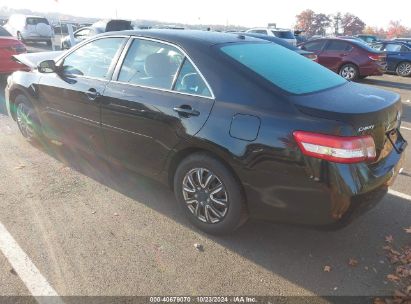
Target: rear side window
point(284, 68)
point(338, 46)
point(35, 21)
point(151, 64)
point(314, 46)
point(189, 81)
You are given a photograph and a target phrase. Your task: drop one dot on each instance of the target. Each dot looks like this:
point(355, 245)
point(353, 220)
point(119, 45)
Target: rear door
point(157, 98)
point(71, 98)
point(335, 54)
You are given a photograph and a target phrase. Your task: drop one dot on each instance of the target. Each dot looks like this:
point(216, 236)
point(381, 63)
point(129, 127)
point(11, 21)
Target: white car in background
point(284, 34)
point(30, 28)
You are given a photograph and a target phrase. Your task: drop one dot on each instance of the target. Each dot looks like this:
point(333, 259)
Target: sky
point(250, 13)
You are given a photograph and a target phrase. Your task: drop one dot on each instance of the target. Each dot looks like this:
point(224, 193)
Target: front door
point(71, 98)
point(159, 98)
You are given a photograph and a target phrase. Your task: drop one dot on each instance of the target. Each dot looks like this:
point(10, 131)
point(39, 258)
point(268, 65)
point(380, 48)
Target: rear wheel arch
point(181, 155)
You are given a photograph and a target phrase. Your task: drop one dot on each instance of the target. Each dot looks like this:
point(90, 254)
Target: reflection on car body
point(226, 121)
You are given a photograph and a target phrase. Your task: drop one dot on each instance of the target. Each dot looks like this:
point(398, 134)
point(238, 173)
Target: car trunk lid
point(370, 111)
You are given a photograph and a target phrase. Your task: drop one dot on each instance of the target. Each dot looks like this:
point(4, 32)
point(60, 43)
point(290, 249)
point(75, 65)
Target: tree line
point(345, 24)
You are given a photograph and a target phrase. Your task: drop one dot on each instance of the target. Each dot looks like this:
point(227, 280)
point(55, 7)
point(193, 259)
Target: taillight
point(313, 57)
point(376, 57)
point(339, 149)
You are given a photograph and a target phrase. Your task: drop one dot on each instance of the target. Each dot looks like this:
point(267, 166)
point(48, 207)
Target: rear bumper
point(373, 69)
point(319, 192)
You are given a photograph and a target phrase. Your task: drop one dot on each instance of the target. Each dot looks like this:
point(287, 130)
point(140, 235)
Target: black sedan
point(237, 126)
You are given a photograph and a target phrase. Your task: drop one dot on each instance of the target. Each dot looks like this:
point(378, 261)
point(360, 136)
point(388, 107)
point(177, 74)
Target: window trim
point(120, 62)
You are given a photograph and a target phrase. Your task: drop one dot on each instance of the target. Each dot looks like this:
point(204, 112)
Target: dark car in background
point(368, 38)
point(99, 27)
point(237, 126)
point(281, 42)
point(398, 56)
point(348, 57)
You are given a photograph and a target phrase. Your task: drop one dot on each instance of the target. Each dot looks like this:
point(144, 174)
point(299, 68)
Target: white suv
point(30, 28)
point(284, 34)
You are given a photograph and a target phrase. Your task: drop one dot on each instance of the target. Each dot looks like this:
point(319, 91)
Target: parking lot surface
point(96, 229)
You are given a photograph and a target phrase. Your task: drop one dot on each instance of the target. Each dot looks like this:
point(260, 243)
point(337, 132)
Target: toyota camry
point(238, 127)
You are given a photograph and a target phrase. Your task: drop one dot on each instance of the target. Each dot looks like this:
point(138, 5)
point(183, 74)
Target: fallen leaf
point(353, 262)
point(393, 277)
point(19, 167)
point(389, 238)
point(378, 301)
point(408, 230)
point(327, 268)
point(93, 212)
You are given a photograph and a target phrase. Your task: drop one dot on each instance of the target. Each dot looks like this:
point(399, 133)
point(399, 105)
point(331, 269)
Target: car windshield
point(284, 68)
point(4, 33)
point(283, 34)
point(35, 21)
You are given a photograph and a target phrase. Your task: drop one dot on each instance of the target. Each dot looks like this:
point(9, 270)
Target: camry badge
point(366, 128)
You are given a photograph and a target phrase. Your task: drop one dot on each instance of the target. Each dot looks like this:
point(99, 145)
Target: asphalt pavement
point(91, 228)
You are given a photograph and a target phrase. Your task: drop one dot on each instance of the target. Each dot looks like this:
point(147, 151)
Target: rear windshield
point(4, 33)
point(35, 21)
point(283, 34)
point(363, 45)
point(284, 68)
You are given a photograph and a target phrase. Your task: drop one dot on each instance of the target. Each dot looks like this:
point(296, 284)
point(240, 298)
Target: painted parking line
point(406, 128)
point(400, 194)
point(27, 271)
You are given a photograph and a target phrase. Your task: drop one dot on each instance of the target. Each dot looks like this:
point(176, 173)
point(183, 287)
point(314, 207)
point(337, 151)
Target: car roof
point(205, 38)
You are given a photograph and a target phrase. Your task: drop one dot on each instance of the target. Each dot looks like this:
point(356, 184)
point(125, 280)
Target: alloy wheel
point(205, 195)
point(24, 120)
point(404, 69)
point(348, 72)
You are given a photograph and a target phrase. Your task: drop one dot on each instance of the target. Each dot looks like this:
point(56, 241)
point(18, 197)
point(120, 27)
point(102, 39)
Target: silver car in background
point(30, 28)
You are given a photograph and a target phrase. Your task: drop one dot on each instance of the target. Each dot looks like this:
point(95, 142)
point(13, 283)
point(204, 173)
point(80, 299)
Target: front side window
point(93, 59)
point(150, 63)
point(82, 33)
point(189, 81)
point(392, 48)
point(284, 68)
point(314, 46)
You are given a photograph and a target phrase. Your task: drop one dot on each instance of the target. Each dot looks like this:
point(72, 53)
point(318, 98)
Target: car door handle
point(92, 94)
point(186, 111)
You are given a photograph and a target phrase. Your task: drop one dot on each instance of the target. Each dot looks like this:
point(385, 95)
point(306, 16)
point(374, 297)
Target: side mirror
point(47, 66)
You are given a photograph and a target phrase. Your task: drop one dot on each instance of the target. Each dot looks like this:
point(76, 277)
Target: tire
point(203, 210)
point(27, 119)
point(403, 69)
point(349, 71)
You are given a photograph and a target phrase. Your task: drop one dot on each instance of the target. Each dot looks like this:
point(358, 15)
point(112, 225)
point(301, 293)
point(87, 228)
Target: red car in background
point(9, 46)
point(350, 58)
